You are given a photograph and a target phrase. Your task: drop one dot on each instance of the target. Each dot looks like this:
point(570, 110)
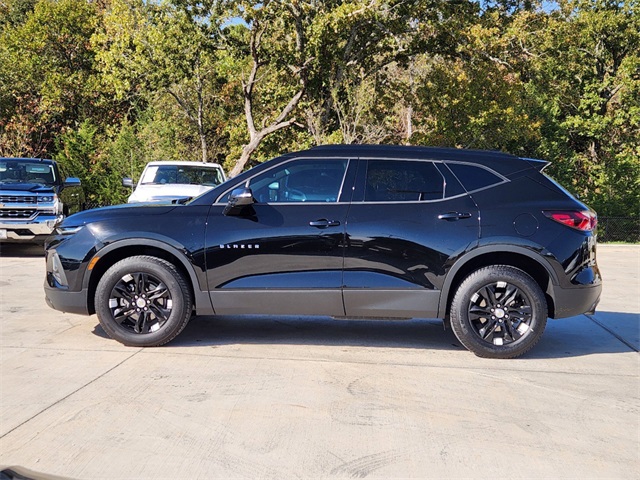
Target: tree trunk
point(409, 123)
point(201, 129)
point(247, 151)
point(203, 145)
point(256, 136)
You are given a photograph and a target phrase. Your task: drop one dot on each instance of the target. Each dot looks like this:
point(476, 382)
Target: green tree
point(14, 12)
point(47, 81)
point(351, 43)
point(270, 47)
point(105, 87)
point(586, 79)
point(150, 49)
point(76, 149)
point(474, 95)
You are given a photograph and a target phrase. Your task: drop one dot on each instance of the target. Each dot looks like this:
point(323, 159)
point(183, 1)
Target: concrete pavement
point(287, 398)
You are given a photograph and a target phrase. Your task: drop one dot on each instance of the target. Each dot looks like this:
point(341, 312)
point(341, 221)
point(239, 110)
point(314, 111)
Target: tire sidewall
point(164, 272)
point(463, 328)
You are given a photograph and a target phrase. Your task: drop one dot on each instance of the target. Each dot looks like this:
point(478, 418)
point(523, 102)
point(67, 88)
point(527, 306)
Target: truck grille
point(17, 213)
point(18, 198)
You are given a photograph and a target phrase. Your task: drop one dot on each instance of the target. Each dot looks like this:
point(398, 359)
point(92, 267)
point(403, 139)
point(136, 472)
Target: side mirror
point(238, 199)
point(71, 182)
point(127, 182)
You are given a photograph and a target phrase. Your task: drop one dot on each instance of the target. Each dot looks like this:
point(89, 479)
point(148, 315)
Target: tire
point(143, 301)
point(485, 325)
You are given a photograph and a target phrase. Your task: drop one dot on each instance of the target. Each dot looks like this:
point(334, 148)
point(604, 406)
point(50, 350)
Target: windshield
point(181, 174)
point(27, 172)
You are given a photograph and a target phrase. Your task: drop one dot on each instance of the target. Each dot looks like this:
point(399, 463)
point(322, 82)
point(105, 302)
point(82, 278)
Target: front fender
point(171, 247)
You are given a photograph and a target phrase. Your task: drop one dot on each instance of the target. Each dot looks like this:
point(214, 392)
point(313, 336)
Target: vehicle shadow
point(570, 337)
point(21, 250)
point(226, 330)
point(608, 332)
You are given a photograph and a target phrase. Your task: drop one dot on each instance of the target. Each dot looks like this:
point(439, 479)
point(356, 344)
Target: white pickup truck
point(34, 198)
point(165, 181)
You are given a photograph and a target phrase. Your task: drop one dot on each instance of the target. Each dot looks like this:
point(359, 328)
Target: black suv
point(482, 240)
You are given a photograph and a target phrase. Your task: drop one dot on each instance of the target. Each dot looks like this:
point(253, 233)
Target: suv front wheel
point(143, 301)
point(499, 312)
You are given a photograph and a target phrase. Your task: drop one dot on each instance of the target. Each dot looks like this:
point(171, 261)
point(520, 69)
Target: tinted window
point(473, 177)
point(317, 180)
point(402, 181)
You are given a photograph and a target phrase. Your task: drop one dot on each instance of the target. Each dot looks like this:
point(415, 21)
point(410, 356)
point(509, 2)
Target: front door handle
point(324, 223)
point(453, 216)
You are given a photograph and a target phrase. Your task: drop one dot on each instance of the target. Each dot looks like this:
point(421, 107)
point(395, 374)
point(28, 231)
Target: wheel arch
point(512, 256)
point(119, 250)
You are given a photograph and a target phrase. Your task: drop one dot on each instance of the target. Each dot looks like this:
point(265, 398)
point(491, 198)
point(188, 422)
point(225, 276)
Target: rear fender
point(531, 252)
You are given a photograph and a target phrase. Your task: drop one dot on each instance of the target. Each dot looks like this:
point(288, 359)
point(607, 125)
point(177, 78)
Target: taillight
point(584, 220)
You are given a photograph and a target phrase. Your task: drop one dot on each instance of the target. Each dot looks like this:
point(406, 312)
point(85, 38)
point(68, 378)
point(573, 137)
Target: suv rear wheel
point(499, 312)
point(143, 301)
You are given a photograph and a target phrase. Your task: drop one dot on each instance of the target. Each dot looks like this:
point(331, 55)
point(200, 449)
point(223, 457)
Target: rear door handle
point(453, 216)
point(324, 223)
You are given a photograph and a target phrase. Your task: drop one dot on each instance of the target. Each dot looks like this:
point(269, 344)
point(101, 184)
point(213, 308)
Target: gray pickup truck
point(34, 198)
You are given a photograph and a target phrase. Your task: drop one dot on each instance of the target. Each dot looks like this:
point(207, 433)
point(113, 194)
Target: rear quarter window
point(473, 177)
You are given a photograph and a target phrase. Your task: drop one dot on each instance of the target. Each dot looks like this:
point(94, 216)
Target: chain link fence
point(619, 229)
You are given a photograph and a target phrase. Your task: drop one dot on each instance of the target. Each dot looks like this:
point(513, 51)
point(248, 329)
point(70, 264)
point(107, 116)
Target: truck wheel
point(143, 301)
point(499, 312)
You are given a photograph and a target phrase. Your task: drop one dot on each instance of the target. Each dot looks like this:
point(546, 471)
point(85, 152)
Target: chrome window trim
point(367, 158)
point(410, 201)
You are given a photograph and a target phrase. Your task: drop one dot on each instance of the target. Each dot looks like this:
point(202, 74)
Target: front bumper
point(66, 301)
point(16, 230)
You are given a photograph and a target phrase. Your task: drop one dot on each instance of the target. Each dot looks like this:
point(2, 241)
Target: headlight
point(47, 199)
point(57, 272)
point(68, 230)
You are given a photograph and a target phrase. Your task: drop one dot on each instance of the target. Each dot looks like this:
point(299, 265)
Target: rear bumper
point(66, 301)
point(576, 301)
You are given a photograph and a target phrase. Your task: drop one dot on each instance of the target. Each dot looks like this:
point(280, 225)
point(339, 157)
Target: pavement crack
point(70, 394)
point(604, 327)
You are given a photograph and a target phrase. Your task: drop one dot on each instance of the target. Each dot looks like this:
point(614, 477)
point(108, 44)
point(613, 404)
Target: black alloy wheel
point(143, 301)
point(140, 302)
point(499, 312)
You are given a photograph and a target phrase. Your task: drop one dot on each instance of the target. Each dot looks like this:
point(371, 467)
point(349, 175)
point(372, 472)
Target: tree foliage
point(46, 78)
point(106, 86)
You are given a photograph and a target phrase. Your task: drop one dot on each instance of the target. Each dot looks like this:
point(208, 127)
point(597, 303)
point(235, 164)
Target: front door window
point(317, 180)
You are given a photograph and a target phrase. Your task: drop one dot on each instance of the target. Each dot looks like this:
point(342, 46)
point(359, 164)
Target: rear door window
point(402, 181)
